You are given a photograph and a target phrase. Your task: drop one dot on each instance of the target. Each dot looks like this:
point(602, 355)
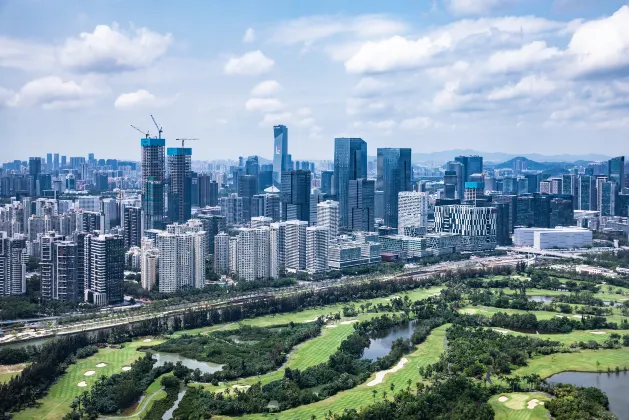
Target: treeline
point(344, 370)
point(13, 356)
point(611, 259)
point(244, 352)
point(530, 323)
point(456, 398)
point(480, 352)
point(33, 382)
point(110, 395)
point(571, 402)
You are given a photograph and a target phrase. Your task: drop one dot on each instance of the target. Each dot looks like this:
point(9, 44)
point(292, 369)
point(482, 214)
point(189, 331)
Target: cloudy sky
point(518, 76)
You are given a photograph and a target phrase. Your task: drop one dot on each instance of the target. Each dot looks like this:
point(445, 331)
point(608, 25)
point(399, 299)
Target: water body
point(381, 344)
point(169, 413)
point(204, 367)
point(616, 386)
point(544, 299)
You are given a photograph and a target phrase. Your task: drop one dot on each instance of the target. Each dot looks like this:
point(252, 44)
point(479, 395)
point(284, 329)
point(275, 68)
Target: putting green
point(516, 406)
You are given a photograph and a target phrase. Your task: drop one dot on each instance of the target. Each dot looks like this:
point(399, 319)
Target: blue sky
point(518, 76)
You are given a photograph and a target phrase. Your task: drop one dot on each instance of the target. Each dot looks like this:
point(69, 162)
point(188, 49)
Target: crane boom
point(159, 129)
point(147, 134)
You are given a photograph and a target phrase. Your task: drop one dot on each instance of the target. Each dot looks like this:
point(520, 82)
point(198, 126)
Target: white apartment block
point(233, 254)
point(317, 248)
point(261, 221)
point(295, 246)
point(277, 246)
point(182, 253)
point(412, 210)
point(149, 264)
point(329, 216)
point(221, 253)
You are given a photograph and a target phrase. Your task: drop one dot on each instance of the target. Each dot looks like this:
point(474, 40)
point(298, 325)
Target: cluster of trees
point(110, 395)
point(13, 356)
point(171, 385)
point(244, 352)
point(611, 259)
point(47, 365)
point(582, 298)
point(480, 352)
point(87, 351)
point(530, 323)
point(572, 402)
point(614, 341)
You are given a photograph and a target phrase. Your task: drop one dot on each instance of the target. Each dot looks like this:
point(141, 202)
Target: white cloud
point(251, 63)
point(524, 58)
point(53, 93)
point(139, 99)
point(266, 88)
point(275, 119)
point(249, 36)
point(108, 49)
point(303, 112)
point(601, 46)
point(417, 123)
point(263, 104)
point(529, 86)
point(25, 55)
point(369, 86)
point(475, 7)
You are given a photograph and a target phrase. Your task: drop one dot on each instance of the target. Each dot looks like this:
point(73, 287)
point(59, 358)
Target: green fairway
point(516, 406)
point(574, 336)
point(489, 311)
point(57, 403)
point(362, 396)
point(581, 361)
point(6, 377)
point(312, 314)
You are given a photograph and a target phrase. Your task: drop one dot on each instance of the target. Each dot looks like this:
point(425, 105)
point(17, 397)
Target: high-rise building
point(104, 269)
point(449, 185)
point(132, 225)
point(476, 225)
point(277, 249)
point(556, 186)
point(182, 254)
point(471, 165)
point(55, 162)
point(350, 162)
point(221, 253)
point(295, 244)
point(13, 260)
point(607, 193)
point(295, 195)
point(456, 173)
point(149, 264)
point(153, 177)
point(49, 162)
point(232, 209)
point(617, 170)
point(328, 216)
point(280, 153)
point(59, 269)
point(326, 182)
point(316, 197)
point(587, 193)
point(317, 241)
point(111, 217)
point(362, 214)
point(253, 249)
point(247, 188)
point(394, 176)
point(213, 224)
point(208, 191)
point(179, 184)
point(412, 211)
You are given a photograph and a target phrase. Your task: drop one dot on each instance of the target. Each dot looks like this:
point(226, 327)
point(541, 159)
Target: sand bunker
point(598, 332)
point(331, 326)
point(532, 404)
point(560, 316)
point(349, 322)
point(380, 375)
point(503, 399)
point(241, 386)
point(126, 368)
point(90, 372)
point(500, 331)
point(101, 364)
point(82, 384)
point(147, 340)
point(576, 316)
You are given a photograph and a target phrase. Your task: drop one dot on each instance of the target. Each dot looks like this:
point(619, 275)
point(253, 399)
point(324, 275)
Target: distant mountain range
point(531, 165)
point(439, 158)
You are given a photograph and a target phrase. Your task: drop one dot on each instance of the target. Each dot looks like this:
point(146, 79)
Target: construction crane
point(159, 129)
point(147, 134)
point(182, 215)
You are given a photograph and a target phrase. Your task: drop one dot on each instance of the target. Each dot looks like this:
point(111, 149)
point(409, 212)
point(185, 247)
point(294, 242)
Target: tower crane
point(159, 129)
point(147, 134)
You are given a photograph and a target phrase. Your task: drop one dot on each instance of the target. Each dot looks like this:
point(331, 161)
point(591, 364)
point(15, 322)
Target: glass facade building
point(350, 163)
point(394, 176)
point(153, 182)
point(179, 184)
point(280, 153)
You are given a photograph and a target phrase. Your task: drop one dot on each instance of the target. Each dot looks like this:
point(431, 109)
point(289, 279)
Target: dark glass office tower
point(326, 182)
point(280, 153)
point(362, 205)
point(295, 195)
point(247, 188)
point(350, 162)
point(394, 176)
point(208, 191)
point(449, 184)
point(471, 165)
point(587, 193)
point(179, 184)
point(153, 182)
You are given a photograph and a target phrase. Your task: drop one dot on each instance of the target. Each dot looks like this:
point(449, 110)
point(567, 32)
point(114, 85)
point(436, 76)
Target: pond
point(380, 345)
point(204, 367)
point(616, 386)
point(169, 413)
point(544, 299)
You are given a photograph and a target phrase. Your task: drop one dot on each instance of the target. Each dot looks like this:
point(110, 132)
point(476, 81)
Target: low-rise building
point(542, 238)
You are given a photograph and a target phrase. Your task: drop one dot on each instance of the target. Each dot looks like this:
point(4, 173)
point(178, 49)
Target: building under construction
point(179, 184)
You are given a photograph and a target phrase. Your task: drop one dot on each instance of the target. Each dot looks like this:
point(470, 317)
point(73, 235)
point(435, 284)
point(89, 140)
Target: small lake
point(381, 344)
point(204, 367)
point(169, 413)
point(616, 386)
point(544, 299)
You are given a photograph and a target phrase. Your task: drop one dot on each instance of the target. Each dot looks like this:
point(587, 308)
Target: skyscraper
point(55, 162)
point(607, 193)
point(149, 264)
point(132, 224)
point(280, 153)
point(295, 251)
point(617, 170)
point(413, 210)
point(362, 213)
point(13, 259)
point(326, 182)
point(587, 193)
point(350, 162)
point(450, 184)
point(153, 182)
point(394, 176)
point(471, 165)
point(182, 252)
point(247, 188)
point(104, 269)
point(457, 175)
point(179, 184)
point(328, 217)
point(208, 191)
point(295, 195)
point(317, 249)
point(59, 269)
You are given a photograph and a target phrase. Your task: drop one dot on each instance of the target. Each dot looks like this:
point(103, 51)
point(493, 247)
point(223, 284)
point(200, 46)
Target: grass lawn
point(57, 402)
point(489, 311)
point(362, 396)
point(6, 377)
point(516, 406)
point(581, 361)
point(311, 314)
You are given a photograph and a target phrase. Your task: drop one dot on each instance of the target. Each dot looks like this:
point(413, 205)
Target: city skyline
point(511, 76)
